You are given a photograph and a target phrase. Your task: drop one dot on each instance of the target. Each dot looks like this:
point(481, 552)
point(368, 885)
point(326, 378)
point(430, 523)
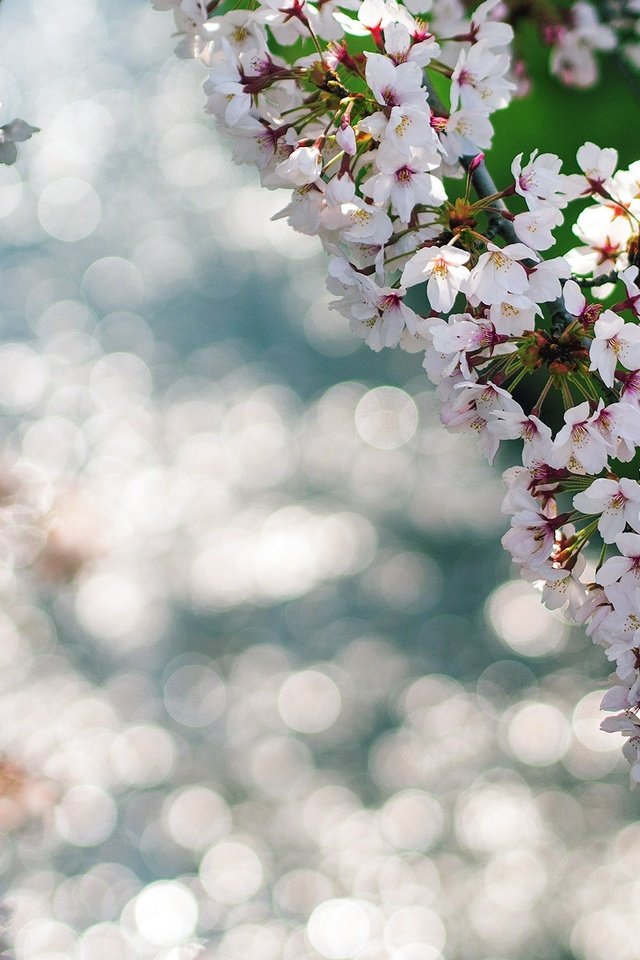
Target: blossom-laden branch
point(337, 102)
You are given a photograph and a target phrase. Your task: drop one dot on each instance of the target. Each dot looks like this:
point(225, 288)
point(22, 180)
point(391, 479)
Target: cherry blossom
point(617, 502)
point(614, 340)
point(443, 269)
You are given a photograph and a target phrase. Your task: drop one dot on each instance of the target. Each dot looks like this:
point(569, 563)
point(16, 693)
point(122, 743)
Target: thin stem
point(537, 407)
point(567, 399)
point(520, 376)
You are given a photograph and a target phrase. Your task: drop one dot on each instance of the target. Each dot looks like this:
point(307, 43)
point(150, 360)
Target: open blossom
point(512, 424)
point(444, 271)
point(478, 79)
point(399, 46)
point(621, 627)
point(572, 58)
point(598, 166)
point(531, 537)
point(617, 502)
point(500, 272)
point(560, 586)
point(465, 132)
point(539, 181)
point(453, 340)
point(408, 129)
point(619, 426)
point(614, 341)
point(358, 221)
point(394, 85)
point(578, 446)
point(381, 316)
point(473, 410)
point(534, 228)
point(404, 181)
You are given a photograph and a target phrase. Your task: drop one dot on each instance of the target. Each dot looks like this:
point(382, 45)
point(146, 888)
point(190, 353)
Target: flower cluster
point(341, 104)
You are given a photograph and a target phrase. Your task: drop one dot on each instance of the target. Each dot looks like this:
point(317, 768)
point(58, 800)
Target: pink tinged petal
point(574, 299)
point(346, 139)
point(630, 346)
point(615, 699)
point(603, 359)
point(608, 325)
point(598, 495)
point(416, 269)
point(441, 292)
point(612, 521)
point(615, 724)
point(629, 545)
point(632, 516)
point(613, 569)
point(577, 414)
point(403, 202)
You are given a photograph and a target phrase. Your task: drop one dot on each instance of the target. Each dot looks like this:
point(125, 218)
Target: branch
point(600, 281)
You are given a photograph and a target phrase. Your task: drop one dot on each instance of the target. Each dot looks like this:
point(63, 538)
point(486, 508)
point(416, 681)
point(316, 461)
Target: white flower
point(381, 316)
point(499, 272)
point(301, 167)
point(443, 269)
point(559, 586)
point(629, 277)
point(474, 410)
point(493, 31)
point(478, 79)
point(304, 211)
point(619, 426)
point(393, 85)
point(225, 89)
point(404, 181)
point(540, 181)
point(544, 279)
point(360, 222)
point(531, 537)
point(534, 228)
point(578, 446)
point(572, 59)
point(618, 502)
point(408, 128)
point(622, 626)
point(614, 340)
point(513, 315)
point(465, 133)
point(398, 44)
point(597, 165)
point(574, 299)
point(512, 424)
point(452, 341)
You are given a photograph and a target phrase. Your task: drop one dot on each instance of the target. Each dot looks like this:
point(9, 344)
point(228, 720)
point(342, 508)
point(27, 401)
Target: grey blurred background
point(267, 690)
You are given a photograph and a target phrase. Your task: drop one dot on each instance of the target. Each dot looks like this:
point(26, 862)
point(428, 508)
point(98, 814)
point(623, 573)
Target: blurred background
point(267, 689)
